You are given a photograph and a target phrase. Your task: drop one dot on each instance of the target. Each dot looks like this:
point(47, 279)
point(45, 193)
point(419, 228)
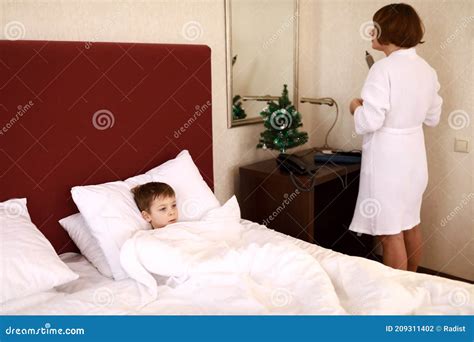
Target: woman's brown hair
point(400, 25)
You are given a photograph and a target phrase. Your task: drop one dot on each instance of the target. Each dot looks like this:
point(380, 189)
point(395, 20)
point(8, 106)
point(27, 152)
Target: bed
point(87, 113)
point(362, 286)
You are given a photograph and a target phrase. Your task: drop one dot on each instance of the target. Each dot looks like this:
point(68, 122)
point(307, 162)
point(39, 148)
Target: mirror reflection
point(261, 55)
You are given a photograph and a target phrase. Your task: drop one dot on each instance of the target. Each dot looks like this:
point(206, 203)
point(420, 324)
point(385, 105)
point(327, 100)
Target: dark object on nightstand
point(269, 196)
point(292, 163)
point(350, 157)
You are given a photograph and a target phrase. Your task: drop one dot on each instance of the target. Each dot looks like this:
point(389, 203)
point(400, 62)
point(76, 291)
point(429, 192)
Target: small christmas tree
point(237, 111)
point(281, 121)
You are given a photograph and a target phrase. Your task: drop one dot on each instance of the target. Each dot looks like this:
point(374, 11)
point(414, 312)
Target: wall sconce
point(328, 101)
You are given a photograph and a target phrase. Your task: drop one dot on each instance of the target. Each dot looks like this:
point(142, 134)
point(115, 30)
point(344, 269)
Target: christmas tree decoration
point(281, 121)
point(238, 112)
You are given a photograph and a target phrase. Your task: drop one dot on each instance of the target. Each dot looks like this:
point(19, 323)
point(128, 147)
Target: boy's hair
point(399, 24)
point(145, 194)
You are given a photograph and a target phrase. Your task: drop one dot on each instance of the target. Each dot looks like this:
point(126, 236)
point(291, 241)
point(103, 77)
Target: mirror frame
point(228, 41)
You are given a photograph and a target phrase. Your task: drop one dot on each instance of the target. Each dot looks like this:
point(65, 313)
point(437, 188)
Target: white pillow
point(112, 215)
point(77, 228)
point(230, 211)
point(29, 264)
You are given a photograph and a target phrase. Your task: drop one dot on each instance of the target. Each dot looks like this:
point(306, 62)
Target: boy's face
point(162, 212)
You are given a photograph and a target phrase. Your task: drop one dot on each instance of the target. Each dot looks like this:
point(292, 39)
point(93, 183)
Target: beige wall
point(331, 64)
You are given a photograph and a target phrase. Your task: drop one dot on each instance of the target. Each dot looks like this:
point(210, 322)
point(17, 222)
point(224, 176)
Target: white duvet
point(224, 265)
point(218, 260)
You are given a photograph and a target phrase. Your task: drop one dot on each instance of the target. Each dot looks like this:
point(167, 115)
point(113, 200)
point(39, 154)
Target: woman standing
point(400, 94)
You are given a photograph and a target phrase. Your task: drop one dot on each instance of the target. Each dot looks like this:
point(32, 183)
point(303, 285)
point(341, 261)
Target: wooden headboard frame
point(75, 113)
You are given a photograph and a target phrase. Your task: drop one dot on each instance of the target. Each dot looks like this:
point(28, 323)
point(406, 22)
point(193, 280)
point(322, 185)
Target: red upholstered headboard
point(74, 113)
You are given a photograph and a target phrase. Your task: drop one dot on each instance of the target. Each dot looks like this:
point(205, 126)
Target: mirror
point(261, 56)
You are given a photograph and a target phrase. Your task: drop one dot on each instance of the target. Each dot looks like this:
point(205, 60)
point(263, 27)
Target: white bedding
point(334, 284)
point(217, 262)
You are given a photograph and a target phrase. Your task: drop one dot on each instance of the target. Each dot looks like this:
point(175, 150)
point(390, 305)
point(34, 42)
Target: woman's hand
point(354, 104)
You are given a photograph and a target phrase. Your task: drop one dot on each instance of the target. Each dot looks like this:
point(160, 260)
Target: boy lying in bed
point(157, 203)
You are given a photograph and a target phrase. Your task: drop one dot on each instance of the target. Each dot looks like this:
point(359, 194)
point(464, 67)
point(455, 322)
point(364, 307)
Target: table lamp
point(328, 101)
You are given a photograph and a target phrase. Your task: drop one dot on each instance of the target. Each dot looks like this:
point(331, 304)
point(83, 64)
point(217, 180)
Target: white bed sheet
point(362, 286)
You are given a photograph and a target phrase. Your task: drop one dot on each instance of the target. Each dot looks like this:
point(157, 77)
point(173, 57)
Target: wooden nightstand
point(322, 216)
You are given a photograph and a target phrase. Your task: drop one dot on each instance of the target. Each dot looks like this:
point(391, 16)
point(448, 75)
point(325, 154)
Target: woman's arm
point(370, 115)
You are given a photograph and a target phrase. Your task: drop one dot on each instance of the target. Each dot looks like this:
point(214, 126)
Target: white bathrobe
point(400, 95)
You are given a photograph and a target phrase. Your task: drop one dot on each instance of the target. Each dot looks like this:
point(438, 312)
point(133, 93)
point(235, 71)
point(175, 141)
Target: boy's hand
point(354, 104)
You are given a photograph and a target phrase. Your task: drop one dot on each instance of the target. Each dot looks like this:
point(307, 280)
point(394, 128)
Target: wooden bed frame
point(75, 113)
